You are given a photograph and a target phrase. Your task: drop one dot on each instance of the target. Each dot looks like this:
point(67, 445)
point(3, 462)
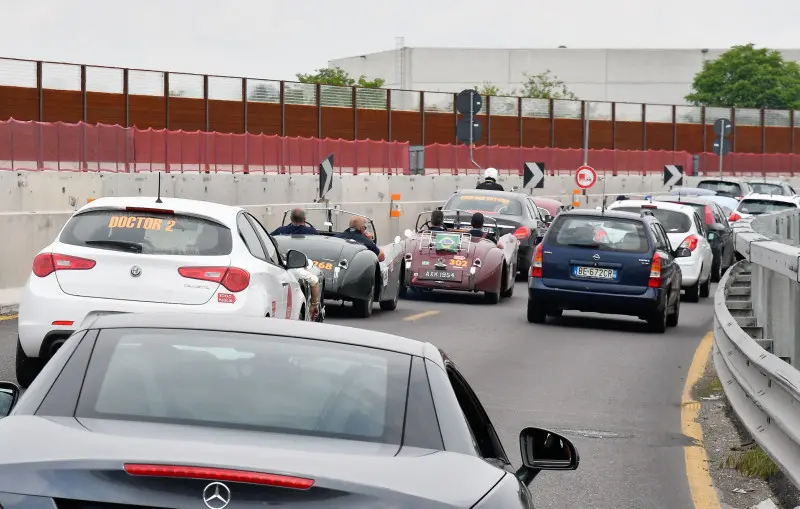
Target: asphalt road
point(604, 382)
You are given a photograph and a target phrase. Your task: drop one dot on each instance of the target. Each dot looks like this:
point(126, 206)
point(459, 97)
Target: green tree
point(746, 77)
point(338, 77)
point(487, 89)
point(546, 85)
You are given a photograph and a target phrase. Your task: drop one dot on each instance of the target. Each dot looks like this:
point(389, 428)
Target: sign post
point(722, 145)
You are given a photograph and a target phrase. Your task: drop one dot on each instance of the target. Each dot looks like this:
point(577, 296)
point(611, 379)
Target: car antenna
point(158, 199)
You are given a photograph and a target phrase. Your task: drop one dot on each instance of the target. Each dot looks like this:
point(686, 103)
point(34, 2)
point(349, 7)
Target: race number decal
point(458, 263)
point(289, 302)
point(323, 265)
point(141, 223)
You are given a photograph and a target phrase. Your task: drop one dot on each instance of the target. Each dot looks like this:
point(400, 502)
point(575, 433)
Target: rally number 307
point(323, 265)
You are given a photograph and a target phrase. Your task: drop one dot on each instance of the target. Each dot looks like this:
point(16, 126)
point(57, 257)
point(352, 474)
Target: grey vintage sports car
point(351, 271)
point(201, 411)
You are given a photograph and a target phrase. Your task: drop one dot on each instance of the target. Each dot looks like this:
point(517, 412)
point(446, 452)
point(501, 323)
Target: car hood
point(62, 458)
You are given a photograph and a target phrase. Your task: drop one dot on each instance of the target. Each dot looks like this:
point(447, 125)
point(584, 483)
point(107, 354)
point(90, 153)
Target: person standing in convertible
point(490, 181)
point(297, 226)
point(358, 232)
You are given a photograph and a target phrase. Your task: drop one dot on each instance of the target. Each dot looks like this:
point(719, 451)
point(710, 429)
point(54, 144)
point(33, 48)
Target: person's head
point(477, 220)
point(437, 218)
point(490, 173)
point(621, 197)
point(358, 223)
point(298, 217)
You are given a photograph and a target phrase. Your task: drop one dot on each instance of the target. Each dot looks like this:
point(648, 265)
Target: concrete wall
point(34, 206)
point(655, 76)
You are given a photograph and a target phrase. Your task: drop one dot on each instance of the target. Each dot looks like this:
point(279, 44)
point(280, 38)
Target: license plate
point(441, 275)
point(594, 272)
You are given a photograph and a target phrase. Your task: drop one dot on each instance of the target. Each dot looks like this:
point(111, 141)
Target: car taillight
point(655, 272)
point(47, 263)
point(709, 215)
point(232, 278)
point(219, 474)
point(523, 232)
point(734, 217)
point(690, 242)
point(536, 266)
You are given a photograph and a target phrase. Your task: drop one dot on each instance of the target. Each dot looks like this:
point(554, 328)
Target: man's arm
point(378, 251)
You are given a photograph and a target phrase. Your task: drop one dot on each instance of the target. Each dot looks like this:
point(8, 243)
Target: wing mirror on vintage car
point(683, 252)
point(296, 260)
point(408, 233)
point(544, 450)
point(9, 394)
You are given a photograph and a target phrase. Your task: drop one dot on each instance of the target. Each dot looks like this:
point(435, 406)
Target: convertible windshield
point(339, 219)
point(247, 381)
point(597, 232)
point(485, 204)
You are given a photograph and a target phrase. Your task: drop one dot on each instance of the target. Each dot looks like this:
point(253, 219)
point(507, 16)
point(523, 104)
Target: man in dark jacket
point(297, 226)
point(490, 181)
point(437, 221)
point(477, 227)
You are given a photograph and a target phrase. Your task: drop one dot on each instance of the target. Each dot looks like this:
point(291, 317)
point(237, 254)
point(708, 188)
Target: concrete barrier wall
point(35, 205)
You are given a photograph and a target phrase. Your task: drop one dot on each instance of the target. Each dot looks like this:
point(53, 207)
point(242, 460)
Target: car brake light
point(47, 263)
point(523, 232)
point(649, 206)
point(655, 272)
point(690, 242)
point(709, 215)
point(145, 210)
point(734, 217)
point(219, 474)
point(536, 266)
point(232, 278)
point(63, 323)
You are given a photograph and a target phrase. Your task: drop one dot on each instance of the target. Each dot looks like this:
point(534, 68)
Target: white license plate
point(595, 272)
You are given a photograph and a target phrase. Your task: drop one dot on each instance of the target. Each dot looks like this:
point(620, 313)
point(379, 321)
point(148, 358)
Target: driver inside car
point(358, 231)
point(477, 228)
point(298, 225)
point(437, 222)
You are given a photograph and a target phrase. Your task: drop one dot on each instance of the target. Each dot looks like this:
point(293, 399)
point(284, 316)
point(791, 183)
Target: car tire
point(491, 297)
point(705, 288)
point(524, 267)
point(535, 313)
point(363, 308)
point(657, 323)
point(672, 319)
point(508, 292)
point(716, 271)
point(27, 367)
point(555, 313)
point(693, 292)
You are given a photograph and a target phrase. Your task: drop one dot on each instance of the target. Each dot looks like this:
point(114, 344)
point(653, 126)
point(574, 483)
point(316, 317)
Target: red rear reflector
point(146, 210)
point(47, 263)
point(649, 207)
point(232, 278)
point(65, 323)
point(523, 232)
point(219, 474)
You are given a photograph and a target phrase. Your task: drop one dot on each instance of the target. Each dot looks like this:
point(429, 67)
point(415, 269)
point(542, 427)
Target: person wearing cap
point(490, 181)
point(298, 225)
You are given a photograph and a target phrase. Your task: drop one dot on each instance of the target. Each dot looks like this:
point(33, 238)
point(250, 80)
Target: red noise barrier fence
point(42, 146)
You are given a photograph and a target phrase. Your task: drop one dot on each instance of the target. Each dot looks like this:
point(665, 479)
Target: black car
point(515, 213)
point(731, 187)
point(719, 231)
point(187, 411)
point(611, 262)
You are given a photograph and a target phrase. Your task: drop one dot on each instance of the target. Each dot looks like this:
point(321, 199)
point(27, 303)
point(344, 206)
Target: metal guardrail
point(762, 388)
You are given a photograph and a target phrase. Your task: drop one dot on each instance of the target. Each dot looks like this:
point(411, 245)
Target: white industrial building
point(652, 76)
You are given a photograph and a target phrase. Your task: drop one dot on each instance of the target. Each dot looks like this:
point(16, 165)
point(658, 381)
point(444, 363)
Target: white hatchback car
point(685, 229)
point(756, 204)
point(129, 255)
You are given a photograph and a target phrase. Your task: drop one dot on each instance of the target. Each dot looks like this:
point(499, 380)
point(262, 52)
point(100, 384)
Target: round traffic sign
point(585, 177)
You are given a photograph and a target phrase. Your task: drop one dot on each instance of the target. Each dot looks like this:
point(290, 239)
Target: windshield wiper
point(123, 245)
point(588, 246)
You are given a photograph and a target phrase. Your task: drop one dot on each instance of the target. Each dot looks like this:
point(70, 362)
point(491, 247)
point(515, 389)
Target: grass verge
point(751, 461)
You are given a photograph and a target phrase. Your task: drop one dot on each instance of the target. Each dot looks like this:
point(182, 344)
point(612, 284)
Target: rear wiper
point(589, 246)
point(123, 244)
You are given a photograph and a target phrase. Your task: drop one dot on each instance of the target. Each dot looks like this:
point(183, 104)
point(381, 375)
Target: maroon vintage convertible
point(455, 260)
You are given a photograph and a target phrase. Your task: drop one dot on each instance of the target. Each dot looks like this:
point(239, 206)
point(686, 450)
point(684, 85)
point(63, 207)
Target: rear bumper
point(595, 302)
point(43, 303)
point(691, 269)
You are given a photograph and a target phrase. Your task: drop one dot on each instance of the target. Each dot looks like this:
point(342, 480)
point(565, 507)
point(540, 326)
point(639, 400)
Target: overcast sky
point(277, 39)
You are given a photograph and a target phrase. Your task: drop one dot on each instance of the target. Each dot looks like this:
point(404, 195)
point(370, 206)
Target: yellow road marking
point(420, 315)
point(7, 317)
point(700, 484)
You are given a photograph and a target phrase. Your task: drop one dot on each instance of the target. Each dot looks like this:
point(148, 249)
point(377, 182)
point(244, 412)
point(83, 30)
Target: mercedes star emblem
point(596, 256)
point(216, 496)
point(136, 271)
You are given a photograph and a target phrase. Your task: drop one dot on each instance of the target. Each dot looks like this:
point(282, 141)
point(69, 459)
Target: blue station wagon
point(606, 262)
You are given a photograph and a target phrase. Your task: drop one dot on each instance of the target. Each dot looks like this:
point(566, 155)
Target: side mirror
point(544, 450)
point(548, 219)
point(296, 260)
point(397, 239)
point(683, 252)
point(710, 235)
point(408, 233)
point(9, 394)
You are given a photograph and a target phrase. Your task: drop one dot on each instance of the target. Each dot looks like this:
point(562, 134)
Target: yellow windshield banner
point(143, 223)
point(486, 198)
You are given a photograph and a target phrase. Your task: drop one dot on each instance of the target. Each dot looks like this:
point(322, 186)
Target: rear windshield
point(147, 233)
point(247, 381)
point(485, 204)
point(700, 208)
point(751, 206)
point(602, 233)
point(766, 188)
point(731, 189)
point(672, 221)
